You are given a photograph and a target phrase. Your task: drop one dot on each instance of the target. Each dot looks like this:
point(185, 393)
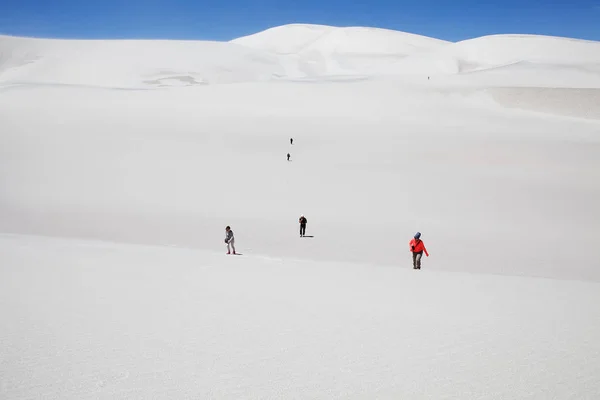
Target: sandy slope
point(575, 102)
point(494, 190)
point(103, 321)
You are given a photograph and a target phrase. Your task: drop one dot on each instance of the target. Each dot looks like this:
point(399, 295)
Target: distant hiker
point(417, 247)
point(302, 222)
point(230, 240)
point(291, 140)
point(288, 156)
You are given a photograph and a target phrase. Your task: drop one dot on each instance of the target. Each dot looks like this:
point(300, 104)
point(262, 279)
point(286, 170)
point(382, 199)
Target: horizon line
point(123, 38)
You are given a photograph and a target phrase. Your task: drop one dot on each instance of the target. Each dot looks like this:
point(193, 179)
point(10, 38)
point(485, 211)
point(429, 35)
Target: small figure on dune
point(288, 156)
point(229, 240)
point(417, 247)
point(302, 220)
point(291, 140)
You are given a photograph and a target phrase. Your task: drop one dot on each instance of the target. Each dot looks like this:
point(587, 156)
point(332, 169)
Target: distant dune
point(132, 63)
point(302, 38)
point(301, 51)
point(520, 53)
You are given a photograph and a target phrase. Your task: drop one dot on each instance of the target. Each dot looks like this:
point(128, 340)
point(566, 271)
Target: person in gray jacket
point(230, 240)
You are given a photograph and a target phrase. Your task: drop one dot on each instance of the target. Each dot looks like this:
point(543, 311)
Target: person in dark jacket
point(417, 247)
point(288, 156)
point(302, 222)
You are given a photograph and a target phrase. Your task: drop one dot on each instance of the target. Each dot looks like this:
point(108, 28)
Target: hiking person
point(417, 247)
point(302, 220)
point(230, 240)
point(288, 156)
point(291, 140)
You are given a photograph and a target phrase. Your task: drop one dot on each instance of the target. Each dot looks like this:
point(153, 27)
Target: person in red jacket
point(417, 247)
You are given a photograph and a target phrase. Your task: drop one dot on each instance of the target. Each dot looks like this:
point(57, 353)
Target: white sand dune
point(326, 50)
point(532, 59)
point(131, 63)
point(304, 38)
point(303, 51)
point(113, 281)
point(523, 60)
point(503, 50)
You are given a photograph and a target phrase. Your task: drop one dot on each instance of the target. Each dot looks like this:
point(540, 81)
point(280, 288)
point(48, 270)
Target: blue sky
point(227, 19)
